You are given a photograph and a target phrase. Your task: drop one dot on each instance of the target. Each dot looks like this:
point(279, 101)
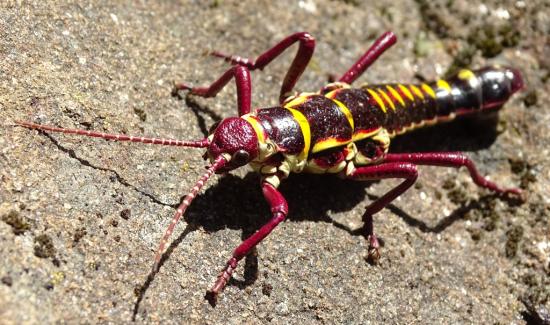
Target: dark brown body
point(339, 115)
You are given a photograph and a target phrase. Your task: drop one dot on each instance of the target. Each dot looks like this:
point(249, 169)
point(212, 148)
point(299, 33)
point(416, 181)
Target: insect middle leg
point(404, 170)
point(279, 210)
point(381, 44)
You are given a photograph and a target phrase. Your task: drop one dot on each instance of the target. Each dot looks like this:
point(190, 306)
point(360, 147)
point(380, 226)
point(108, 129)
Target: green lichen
point(78, 234)
point(489, 215)
point(525, 170)
point(43, 246)
point(462, 59)
point(125, 214)
point(57, 277)
point(476, 234)
point(531, 98)
point(484, 39)
point(422, 45)
point(214, 4)
point(433, 19)
point(354, 3)
point(491, 39)
point(140, 113)
point(19, 224)
point(513, 236)
point(455, 192)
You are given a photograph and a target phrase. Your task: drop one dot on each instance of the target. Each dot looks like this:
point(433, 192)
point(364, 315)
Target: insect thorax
point(290, 150)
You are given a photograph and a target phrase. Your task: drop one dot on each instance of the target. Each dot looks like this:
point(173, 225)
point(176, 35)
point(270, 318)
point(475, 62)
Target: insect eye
point(240, 157)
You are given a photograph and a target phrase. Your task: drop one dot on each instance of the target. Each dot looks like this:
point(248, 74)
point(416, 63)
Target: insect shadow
point(199, 110)
point(310, 198)
point(237, 203)
point(465, 134)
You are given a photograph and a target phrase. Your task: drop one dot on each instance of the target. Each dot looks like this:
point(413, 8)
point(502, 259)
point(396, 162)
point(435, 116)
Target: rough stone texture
point(81, 217)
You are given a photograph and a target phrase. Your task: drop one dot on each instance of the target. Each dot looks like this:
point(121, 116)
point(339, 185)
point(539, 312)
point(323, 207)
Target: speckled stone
point(110, 65)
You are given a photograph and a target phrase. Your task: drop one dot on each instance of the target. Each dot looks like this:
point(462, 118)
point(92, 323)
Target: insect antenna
point(203, 143)
point(218, 163)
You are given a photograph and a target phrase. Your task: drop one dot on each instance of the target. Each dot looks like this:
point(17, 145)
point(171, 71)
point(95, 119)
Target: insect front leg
point(381, 44)
point(299, 64)
point(456, 160)
point(279, 210)
point(242, 80)
point(404, 170)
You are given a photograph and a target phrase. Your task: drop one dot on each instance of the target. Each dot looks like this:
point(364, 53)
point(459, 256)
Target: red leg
point(451, 159)
point(279, 209)
point(244, 87)
point(116, 137)
point(380, 46)
point(305, 51)
point(385, 170)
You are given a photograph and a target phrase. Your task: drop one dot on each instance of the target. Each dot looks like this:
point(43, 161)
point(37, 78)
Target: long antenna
point(116, 137)
point(218, 163)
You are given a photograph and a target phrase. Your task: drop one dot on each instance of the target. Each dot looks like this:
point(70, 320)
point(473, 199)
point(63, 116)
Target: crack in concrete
point(119, 178)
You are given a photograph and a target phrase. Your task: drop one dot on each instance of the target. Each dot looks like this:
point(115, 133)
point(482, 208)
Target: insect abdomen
point(399, 108)
point(312, 123)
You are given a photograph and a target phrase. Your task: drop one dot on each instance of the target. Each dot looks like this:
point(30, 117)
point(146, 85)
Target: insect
point(338, 130)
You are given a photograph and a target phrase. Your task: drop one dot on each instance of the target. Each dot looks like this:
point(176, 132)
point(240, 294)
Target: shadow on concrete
point(464, 134)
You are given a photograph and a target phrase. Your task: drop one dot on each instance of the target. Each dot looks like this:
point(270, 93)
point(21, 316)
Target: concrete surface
point(81, 217)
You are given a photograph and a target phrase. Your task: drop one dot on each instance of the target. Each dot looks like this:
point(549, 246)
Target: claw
point(515, 196)
point(180, 86)
point(373, 254)
point(223, 278)
point(219, 54)
point(373, 257)
point(211, 297)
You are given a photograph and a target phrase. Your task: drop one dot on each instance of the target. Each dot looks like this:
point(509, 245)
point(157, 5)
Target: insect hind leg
point(404, 170)
point(456, 160)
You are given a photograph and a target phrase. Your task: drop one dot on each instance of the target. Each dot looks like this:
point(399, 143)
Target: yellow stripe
point(363, 134)
point(343, 107)
point(406, 92)
point(378, 100)
point(327, 144)
point(465, 74)
point(332, 93)
point(387, 98)
point(428, 90)
point(346, 112)
point(256, 125)
point(417, 91)
point(444, 84)
point(306, 132)
point(396, 95)
point(296, 101)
